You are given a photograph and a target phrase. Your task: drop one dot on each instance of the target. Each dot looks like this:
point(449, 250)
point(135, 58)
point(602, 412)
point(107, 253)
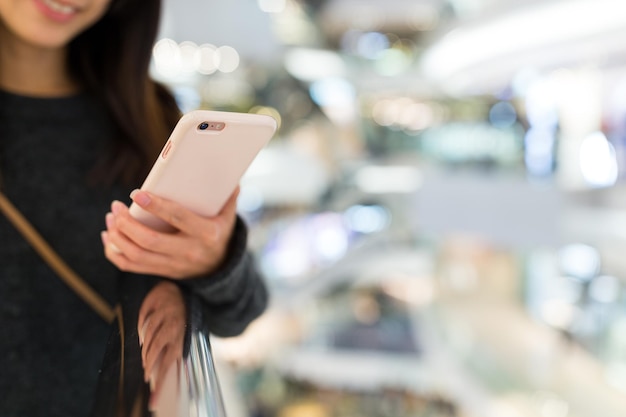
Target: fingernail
point(142, 332)
point(116, 206)
point(114, 248)
point(109, 220)
point(152, 381)
point(140, 197)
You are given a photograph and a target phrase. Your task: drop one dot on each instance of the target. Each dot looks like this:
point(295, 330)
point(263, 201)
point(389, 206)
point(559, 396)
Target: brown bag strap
point(48, 254)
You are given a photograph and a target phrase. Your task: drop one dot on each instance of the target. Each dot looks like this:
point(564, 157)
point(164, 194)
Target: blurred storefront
point(441, 216)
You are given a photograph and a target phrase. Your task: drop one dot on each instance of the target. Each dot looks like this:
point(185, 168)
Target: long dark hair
point(111, 60)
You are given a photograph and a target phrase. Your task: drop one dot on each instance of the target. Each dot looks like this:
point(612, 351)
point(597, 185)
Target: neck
point(30, 70)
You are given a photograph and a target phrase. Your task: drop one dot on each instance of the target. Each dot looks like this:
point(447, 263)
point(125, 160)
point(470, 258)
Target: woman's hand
point(161, 328)
point(197, 247)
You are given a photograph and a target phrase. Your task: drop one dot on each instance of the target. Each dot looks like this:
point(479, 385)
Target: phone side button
point(166, 150)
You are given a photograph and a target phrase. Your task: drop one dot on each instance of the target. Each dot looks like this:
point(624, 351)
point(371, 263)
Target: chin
point(53, 41)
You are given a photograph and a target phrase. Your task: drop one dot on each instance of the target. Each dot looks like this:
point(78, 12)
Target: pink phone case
point(203, 161)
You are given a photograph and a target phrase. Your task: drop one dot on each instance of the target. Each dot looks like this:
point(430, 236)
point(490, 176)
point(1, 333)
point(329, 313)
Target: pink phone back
point(201, 168)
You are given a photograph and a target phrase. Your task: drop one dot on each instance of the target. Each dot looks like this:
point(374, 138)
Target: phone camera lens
point(203, 126)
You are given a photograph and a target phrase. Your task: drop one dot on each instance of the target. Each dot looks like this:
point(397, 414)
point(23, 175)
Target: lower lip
point(53, 14)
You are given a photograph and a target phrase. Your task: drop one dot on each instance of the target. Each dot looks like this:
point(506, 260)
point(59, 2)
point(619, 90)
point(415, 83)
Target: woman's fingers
point(167, 359)
point(161, 328)
point(183, 219)
point(175, 214)
point(127, 256)
point(160, 350)
point(196, 249)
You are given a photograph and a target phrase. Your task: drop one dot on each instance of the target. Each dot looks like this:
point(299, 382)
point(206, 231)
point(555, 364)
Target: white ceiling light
point(389, 179)
point(312, 64)
point(523, 30)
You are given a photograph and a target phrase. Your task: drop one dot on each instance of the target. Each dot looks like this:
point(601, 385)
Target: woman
point(81, 123)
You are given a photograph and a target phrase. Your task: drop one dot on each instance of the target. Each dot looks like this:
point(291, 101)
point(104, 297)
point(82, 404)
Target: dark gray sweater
point(51, 342)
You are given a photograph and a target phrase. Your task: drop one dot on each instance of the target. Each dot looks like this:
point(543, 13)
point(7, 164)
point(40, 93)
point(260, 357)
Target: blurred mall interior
point(441, 217)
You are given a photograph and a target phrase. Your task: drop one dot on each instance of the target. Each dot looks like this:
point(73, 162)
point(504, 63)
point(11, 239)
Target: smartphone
point(203, 161)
